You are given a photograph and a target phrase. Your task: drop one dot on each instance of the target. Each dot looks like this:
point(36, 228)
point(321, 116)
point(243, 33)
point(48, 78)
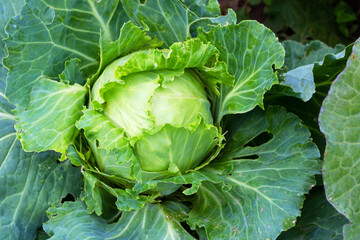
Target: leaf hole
point(261, 139)
point(189, 230)
point(68, 198)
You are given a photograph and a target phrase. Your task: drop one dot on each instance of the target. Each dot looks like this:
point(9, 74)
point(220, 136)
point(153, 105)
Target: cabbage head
point(161, 111)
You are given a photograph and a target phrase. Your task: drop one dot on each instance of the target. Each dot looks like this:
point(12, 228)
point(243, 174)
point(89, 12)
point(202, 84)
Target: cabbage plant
point(155, 111)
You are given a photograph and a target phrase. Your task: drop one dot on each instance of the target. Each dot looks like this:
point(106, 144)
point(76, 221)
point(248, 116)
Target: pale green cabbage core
point(143, 103)
point(165, 114)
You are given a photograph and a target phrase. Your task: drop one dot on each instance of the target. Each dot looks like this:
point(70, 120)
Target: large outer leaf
point(250, 51)
point(339, 121)
point(50, 32)
point(203, 8)
point(168, 20)
point(29, 182)
point(154, 221)
point(268, 181)
point(318, 220)
point(49, 121)
point(7, 9)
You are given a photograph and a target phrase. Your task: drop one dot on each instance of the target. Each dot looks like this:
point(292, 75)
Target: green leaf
point(319, 220)
point(159, 17)
point(184, 147)
point(344, 13)
point(154, 221)
point(48, 33)
point(339, 121)
point(8, 9)
point(72, 73)
point(203, 8)
point(131, 38)
point(268, 179)
point(49, 121)
point(29, 182)
point(298, 54)
point(92, 194)
point(98, 127)
point(306, 19)
point(298, 82)
point(300, 60)
point(111, 150)
point(324, 73)
point(246, 44)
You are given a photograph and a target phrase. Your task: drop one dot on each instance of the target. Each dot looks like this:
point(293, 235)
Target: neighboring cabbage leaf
point(324, 72)
point(204, 8)
point(339, 121)
point(298, 54)
point(297, 78)
point(307, 19)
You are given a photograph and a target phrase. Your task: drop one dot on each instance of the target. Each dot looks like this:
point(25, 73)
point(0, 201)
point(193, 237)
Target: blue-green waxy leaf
point(29, 182)
point(318, 221)
point(203, 8)
point(8, 9)
point(159, 17)
point(298, 82)
point(174, 21)
point(50, 32)
point(154, 221)
point(49, 121)
point(267, 180)
point(298, 54)
point(298, 79)
point(339, 121)
point(250, 51)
